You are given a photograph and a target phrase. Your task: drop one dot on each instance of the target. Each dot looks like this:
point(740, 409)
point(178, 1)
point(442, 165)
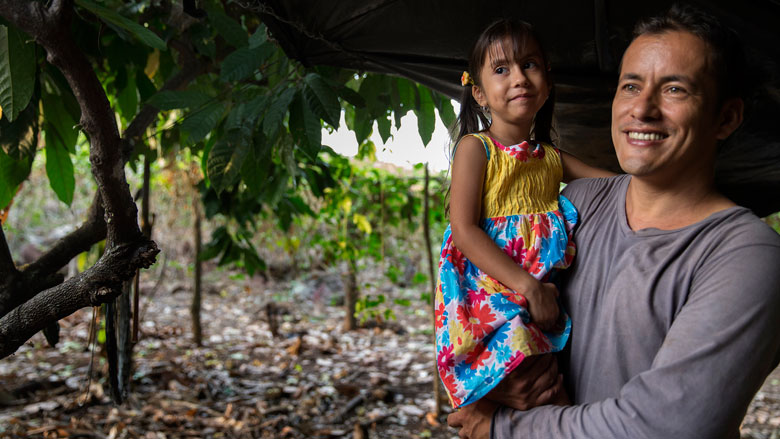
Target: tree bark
point(350, 295)
point(95, 286)
point(197, 333)
point(126, 248)
point(432, 277)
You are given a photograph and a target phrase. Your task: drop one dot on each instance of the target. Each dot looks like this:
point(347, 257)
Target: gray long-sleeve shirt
point(673, 332)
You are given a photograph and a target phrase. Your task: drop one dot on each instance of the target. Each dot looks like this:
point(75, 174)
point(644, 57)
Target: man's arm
point(721, 346)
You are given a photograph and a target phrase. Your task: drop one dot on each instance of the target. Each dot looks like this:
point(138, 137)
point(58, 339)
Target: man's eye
point(676, 90)
point(630, 88)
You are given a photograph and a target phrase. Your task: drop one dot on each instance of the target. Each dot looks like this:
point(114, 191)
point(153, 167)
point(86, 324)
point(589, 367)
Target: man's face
point(664, 116)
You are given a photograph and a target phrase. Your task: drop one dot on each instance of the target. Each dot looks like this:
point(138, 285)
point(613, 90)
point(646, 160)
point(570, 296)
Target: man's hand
point(533, 383)
point(474, 419)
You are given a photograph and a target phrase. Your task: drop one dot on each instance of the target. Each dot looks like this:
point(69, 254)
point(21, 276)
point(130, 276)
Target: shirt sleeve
point(722, 344)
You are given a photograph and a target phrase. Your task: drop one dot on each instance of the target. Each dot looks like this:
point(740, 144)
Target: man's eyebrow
point(677, 78)
point(630, 76)
point(663, 79)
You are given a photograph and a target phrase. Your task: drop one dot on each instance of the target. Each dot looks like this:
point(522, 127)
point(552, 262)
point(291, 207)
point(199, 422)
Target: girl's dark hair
point(512, 36)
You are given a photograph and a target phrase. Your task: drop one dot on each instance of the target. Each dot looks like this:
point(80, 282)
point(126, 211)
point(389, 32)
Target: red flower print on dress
point(477, 357)
point(542, 345)
point(541, 228)
point(519, 151)
point(516, 298)
point(532, 263)
point(452, 387)
point(440, 318)
point(477, 321)
point(537, 152)
point(515, 248)
point(514, 360)
point(475, 297)
point(456, 258)
point(446, 360)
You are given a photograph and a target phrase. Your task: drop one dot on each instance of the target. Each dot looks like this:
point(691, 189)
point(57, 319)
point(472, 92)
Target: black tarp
point(427, 41)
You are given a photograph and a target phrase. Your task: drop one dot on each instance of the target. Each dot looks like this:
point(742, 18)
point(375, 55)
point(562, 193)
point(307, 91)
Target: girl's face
point(513, 89)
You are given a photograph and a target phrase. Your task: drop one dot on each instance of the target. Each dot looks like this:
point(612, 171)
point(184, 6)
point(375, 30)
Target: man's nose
point(646, 106)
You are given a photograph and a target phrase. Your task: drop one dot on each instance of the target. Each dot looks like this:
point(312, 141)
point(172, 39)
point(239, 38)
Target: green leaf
point(171, 99)
point(231, 31)
point(59, 169)
point(226, 158)
point(146, 88)
point(19, 139)
point(17, 71)
point(426, 115)
point(407, 92)
point(199, 123)
point(259, 37)
point(305, 127)
point(112, 17)
point(352, 97)
point(58, 123)
point(384, 125)
point(446, 112)
point(367, 151)
point(275, 114)
point(403, 302)
point(244, 62)
point(12, 173)
point(128, 99)
point(362, 126)
point(321, 99)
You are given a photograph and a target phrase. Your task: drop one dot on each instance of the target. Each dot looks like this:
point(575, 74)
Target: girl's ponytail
point(471, 118)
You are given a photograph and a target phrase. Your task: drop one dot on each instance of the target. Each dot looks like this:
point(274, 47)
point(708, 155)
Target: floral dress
point(483, 328)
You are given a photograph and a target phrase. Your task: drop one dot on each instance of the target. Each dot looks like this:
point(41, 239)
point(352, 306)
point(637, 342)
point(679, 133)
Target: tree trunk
point(196, 293)
point(432, 276)
point(350, 295)
point(34, 297)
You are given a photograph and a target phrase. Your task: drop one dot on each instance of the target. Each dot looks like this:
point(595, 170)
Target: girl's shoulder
point(475, 139)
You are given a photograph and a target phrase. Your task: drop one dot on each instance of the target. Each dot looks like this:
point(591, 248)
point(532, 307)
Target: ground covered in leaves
point(312, 380)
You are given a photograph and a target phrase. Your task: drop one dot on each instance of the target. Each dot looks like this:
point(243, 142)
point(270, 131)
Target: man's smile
point(648, 136)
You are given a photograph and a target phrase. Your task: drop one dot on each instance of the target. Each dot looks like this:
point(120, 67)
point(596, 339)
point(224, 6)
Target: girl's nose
point(519, 77)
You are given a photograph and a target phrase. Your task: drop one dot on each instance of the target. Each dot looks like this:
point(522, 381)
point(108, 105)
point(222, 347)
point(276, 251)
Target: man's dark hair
point(728, 62)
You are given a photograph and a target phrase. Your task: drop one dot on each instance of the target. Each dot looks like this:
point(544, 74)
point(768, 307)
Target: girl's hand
point(542, 304)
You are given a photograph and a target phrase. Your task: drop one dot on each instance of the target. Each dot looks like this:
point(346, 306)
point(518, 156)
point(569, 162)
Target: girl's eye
point(500, 70)
point(530, 65)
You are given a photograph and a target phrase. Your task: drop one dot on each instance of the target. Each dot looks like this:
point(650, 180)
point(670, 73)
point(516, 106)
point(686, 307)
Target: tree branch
point(101, 283)
point(7, 266)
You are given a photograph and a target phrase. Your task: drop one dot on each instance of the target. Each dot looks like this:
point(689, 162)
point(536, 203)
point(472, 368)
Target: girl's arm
point(574, 168)
point(468, 171)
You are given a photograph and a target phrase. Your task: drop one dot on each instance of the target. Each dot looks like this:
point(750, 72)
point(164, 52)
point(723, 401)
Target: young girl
point(509, 228)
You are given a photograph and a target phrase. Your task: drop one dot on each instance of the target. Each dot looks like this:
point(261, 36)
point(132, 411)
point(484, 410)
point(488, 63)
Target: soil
point(312, 380)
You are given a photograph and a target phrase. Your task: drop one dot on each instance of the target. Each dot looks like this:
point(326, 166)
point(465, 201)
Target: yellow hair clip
point(466, 79)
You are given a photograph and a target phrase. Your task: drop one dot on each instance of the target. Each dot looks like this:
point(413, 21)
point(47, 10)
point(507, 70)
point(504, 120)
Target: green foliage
point(253, 119)
point(17, 72)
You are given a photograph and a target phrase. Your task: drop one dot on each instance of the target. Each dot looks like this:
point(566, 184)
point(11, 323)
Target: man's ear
point(478, 95)
point(730, 117)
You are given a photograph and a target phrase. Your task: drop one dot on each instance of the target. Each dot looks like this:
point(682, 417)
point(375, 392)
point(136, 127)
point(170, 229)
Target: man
point(675, 291)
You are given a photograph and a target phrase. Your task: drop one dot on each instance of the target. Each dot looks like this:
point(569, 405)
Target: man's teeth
point(645, 136)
